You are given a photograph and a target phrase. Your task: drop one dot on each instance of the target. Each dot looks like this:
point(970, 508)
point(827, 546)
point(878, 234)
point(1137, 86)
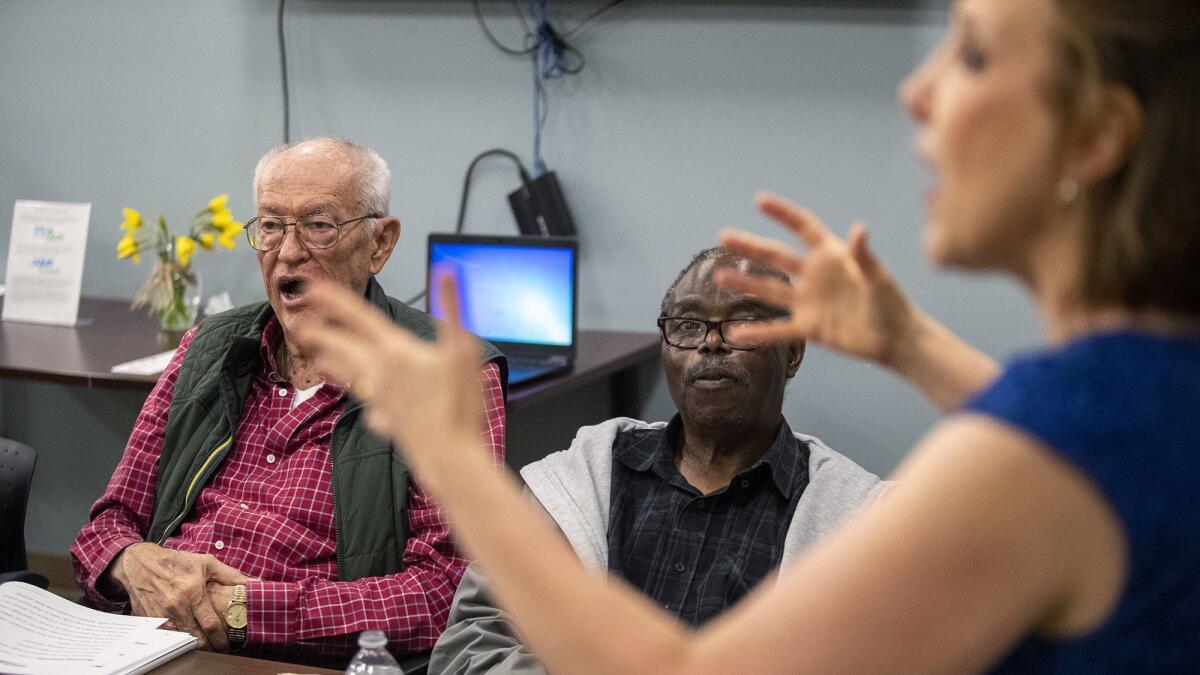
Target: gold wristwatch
point(235, 617)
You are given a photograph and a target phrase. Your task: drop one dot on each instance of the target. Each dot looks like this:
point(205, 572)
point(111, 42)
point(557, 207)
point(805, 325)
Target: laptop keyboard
point(535, 362)
point(525, 368)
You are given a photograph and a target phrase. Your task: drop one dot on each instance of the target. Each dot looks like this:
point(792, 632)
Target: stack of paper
point(147, 365)
point(43, 633)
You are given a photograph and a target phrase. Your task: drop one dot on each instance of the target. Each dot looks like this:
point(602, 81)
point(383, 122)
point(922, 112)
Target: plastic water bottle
point(373, 656)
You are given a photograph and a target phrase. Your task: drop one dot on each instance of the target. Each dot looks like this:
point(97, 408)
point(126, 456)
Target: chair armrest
point(26, 576)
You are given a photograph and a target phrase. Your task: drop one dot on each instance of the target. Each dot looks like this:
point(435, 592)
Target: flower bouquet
point(172, 291)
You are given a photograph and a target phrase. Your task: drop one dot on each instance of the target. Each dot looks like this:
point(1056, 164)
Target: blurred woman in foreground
point(1052, 523)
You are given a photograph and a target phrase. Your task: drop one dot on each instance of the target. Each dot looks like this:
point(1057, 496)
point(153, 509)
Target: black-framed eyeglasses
point(687, 333)
point(266, 233)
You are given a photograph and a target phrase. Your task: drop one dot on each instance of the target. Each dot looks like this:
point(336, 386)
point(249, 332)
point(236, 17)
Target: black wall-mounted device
point(540, 209)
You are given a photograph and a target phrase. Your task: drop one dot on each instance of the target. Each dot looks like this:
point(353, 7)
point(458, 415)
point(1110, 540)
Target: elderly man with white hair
point(252, 505)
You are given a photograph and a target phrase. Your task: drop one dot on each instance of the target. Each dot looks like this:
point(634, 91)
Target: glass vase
point(182, 307)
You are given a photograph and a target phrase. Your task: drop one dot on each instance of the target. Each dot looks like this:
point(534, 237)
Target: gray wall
point(683, 111)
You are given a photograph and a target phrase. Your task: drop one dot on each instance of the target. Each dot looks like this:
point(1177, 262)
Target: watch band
point(235, 617)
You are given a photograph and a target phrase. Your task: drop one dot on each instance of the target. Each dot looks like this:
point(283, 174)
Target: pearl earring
point(1068, 191)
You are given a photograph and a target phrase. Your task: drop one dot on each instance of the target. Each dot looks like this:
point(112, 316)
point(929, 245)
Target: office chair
point(16, 473)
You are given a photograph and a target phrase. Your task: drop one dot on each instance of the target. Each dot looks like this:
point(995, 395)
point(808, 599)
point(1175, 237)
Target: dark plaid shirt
point(698, 554)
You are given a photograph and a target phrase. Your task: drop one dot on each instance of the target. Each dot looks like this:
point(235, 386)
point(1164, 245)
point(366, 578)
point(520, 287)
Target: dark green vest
point(370, 480)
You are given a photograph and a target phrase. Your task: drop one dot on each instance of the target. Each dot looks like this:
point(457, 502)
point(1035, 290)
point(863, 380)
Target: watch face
point(235, 616)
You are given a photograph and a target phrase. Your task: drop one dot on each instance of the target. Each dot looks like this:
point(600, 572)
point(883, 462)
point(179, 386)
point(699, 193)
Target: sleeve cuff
point(106, 595)
point(272, 612)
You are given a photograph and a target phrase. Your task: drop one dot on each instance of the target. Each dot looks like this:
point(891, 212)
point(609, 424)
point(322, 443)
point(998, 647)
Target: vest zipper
point(347, 409)
point(191, 486)
point(334, 491)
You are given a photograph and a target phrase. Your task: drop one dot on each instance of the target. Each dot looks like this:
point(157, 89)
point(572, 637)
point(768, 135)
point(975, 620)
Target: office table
point(612, 373)
point(109, 333)
point(543, 414)
point(197, 662)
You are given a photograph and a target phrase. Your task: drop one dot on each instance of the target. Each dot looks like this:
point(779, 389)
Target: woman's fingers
point(861, 251)
point(349, 337)
point(452, 337)
point(804, 223)
point(768, 332)
point(339, 307)
point(448, 298)
point(379, 422)
point(340, 355)
point(770, 290)
point(763, 249)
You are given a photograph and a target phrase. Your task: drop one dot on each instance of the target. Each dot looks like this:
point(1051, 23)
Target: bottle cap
point(372, 639)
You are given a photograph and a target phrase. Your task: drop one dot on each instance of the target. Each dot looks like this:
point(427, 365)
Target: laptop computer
point(519, 293)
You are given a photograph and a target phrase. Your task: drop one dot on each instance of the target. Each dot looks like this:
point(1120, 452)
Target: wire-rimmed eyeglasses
point(688, 333)
point(266, 233)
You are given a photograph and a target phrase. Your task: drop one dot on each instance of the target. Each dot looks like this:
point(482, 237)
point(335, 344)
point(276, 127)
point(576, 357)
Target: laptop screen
point(510, 289)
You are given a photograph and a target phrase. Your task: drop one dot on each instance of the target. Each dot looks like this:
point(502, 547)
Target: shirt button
point(702, 505)
point(679, 567)
point(270, 459)
point(243, 506)
point(219, 545)
point(282, 391)
point(745, 482)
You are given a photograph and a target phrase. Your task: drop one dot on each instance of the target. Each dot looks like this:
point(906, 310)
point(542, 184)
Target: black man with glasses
point(693, 512)
point(252, 507)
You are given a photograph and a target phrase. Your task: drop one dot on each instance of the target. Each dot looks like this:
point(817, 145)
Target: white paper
point(147, 365)
point(43, 633)
point(45, 262)
point(147, 648)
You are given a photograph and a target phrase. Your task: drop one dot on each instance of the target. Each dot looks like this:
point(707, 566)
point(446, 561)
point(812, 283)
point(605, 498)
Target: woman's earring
point(1067, 191)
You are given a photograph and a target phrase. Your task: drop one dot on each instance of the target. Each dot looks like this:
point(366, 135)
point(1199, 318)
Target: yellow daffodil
point(127, 247)
point(221, 219)
point(165, 290)
point(184, 248)
point(228, 227)
point(133, 220)
point(228, 233)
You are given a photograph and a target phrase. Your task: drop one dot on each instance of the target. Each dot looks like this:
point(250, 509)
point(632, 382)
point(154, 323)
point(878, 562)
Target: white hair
point(372, 188)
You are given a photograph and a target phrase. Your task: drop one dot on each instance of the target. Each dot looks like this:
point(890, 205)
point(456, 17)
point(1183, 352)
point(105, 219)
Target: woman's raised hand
point(841, 296)
point(424, 395)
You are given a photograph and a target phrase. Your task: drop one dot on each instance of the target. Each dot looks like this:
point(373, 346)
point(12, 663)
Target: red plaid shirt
point(268, 512)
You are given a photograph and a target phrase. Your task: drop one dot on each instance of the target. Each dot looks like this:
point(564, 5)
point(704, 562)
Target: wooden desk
point(197, 662)
point(599, 354)
point(110, 334)
point(613, 372)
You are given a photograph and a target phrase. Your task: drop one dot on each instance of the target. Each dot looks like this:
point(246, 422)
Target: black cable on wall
point(552, 56)
point(283, 69)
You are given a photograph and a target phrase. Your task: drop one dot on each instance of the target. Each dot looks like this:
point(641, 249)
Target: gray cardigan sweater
point(573, 487)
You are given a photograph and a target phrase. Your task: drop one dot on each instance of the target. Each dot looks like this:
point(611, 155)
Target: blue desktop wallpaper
point(508, 293)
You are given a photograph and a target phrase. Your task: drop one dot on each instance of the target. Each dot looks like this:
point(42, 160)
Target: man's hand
point(220, 595)
point(162, 582)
